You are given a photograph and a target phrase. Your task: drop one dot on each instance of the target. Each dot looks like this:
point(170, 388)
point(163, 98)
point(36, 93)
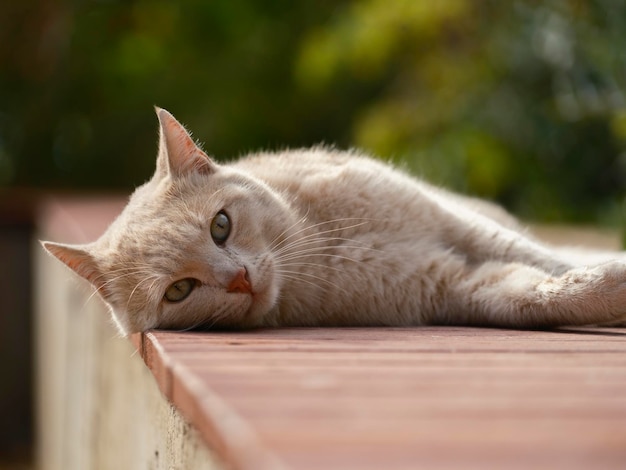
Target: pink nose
point(240, 283)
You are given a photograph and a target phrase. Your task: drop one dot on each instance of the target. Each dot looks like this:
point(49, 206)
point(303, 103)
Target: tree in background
point(519, 101)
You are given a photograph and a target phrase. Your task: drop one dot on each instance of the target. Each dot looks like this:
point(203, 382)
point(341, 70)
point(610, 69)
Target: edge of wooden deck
point(217, 400)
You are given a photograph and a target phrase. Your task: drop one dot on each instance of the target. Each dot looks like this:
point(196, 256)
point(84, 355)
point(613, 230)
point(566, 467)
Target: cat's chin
point(261, 303)
point(124, 326)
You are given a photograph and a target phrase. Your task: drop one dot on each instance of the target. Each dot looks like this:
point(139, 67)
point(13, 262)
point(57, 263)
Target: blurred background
point(522, 102)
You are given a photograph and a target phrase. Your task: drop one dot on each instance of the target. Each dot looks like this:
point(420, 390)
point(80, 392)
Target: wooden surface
point(400, 398)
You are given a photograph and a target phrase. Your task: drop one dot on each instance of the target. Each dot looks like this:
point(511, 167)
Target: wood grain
point(401, 397)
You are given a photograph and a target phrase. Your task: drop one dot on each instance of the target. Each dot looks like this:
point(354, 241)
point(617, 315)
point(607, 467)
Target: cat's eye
point(180, 290)
point(220, 228)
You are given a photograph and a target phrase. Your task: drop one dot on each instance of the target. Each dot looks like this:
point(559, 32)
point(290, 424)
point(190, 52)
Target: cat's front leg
point(481, 239)
point(516, 295)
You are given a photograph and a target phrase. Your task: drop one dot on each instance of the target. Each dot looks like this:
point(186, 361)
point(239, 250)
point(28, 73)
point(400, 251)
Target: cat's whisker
point(134, 268)
point(112, 280)
point(297, 222)
point(315, 251)
point(298, 279)
point(300, 273)
point(144, 270)
point(126, 270)
point(326, 255)
point(288, 240)
point(152, 278)
point(311, 241)
point(154, 296)
point(319, 224)
point(91, 296)
point(312, 265)
point(137, 272)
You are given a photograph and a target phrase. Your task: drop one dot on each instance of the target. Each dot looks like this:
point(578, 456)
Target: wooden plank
point(402, 397)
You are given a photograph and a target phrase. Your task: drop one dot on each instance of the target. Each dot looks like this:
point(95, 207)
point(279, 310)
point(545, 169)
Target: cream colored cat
point(323, 237)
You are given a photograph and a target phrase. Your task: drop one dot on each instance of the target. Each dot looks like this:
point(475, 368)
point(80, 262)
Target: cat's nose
point(240, 283)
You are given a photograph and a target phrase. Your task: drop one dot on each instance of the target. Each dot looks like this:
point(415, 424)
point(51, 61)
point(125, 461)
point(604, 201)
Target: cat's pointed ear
point(178, 153)
point(79, 259)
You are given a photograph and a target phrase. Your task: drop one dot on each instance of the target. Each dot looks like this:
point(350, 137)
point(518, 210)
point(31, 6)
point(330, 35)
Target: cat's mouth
point(240, 283)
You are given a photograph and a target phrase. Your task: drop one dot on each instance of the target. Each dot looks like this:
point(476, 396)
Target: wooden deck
point(400, 398)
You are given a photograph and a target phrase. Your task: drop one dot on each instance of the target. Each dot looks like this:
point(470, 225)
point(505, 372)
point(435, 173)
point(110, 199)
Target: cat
point(321, 237)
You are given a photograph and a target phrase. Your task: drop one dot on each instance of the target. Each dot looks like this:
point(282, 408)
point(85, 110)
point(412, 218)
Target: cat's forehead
point(174, 200)
point(156, 218)
point(168, 214)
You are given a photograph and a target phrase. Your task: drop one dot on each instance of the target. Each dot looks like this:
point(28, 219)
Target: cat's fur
point(323, 237)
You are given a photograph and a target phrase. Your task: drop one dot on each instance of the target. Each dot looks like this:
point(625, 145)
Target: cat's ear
point(178, 153)
point(79, 259)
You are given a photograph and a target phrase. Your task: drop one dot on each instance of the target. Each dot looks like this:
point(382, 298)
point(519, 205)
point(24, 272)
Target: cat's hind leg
point(522, 296)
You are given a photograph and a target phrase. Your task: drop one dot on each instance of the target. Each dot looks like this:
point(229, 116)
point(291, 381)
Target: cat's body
point(322, 237)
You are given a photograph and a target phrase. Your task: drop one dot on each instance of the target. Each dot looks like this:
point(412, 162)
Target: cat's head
point(192, 247)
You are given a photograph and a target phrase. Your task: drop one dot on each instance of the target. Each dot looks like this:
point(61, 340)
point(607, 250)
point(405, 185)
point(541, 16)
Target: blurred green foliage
point(519, 101)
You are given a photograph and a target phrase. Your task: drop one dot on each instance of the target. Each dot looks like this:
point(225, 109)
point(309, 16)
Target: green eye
point(220, 228)
point(180, 290)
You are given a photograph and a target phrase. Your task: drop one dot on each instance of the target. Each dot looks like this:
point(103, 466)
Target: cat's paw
point(598, 291)
point(610, 274)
